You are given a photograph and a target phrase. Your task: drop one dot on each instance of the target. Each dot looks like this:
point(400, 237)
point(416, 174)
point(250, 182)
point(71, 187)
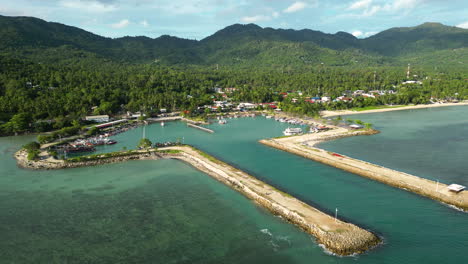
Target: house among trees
point(412, 82)
point(246, 106)
point(98, 118)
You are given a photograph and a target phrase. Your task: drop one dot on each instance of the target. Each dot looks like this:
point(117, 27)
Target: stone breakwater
point(337, 236)
point(304, 146)
point(54, 164)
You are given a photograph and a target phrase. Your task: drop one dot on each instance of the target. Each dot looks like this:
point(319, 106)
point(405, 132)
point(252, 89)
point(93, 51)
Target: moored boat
point(78, 148)
point(111, 142)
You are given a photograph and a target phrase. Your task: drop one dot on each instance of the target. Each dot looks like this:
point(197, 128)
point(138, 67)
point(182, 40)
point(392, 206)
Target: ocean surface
point(167, 212)
point(431, 143)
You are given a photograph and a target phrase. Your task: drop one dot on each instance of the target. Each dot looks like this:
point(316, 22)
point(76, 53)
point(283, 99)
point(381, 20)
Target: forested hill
point(244, 45)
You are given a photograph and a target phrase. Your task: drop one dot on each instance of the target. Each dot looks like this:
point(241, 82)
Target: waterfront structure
point(292, 131)
point(456, 188)
point(246, 106)
point(98, 118)
point(108, 124)
point(355, 126)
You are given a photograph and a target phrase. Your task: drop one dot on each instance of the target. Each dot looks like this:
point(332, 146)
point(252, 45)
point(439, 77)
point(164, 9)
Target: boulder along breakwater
point(337, 236)
point(304, 146)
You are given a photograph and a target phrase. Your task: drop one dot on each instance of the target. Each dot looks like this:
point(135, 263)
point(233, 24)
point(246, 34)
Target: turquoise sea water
point(430, 143)
point(167, 212)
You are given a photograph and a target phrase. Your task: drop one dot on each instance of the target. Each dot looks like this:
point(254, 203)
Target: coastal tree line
point(42, 97)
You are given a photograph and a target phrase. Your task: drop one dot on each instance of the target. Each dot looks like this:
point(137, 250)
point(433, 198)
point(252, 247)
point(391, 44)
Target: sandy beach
point(394, 108)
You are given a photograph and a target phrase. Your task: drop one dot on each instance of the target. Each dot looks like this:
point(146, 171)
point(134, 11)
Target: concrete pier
point(304, 146)
point(200, 127)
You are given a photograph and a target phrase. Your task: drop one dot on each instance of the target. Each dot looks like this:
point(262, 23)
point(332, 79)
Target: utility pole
point(375, 75)
point(408, 72)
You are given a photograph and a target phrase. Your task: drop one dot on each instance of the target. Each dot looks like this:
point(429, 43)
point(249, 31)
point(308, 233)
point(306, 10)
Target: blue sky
point(197, 19)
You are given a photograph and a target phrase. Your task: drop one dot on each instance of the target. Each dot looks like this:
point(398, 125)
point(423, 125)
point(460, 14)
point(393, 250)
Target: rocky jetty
point(56, 164)
point(304, 146)
point(337, 236)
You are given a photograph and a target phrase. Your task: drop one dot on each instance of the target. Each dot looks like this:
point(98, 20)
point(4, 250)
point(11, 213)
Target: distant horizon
point(198, 19)
point(243, 24)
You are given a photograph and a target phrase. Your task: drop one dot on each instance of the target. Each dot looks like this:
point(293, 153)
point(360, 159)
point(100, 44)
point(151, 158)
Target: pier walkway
point(200, 127)
point(304, 146)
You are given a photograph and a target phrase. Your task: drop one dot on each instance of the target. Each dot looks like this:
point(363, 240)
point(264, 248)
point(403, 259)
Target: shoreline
point(304, 146)
point(337, 236)
point(327, 113)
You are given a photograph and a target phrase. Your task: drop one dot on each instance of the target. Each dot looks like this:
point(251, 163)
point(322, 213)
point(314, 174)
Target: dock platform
point(200, 127)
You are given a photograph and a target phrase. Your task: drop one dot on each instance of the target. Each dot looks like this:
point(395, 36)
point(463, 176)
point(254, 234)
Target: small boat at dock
point(79, 147)
point(111, 142)
point(222, 121)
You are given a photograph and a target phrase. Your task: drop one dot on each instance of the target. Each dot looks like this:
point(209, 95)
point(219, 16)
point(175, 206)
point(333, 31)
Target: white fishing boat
point(269, 117)
point(222, 121)
point(162, 124)
point(292, 131)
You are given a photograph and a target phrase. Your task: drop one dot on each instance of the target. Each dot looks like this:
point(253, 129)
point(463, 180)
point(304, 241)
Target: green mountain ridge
point(243, 45)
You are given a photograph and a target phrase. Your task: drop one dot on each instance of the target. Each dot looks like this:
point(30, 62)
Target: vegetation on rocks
point(33, 150)
point(102, 156)
point(145, 143)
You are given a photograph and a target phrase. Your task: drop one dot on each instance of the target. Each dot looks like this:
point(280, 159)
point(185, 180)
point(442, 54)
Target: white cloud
point(121, 24)
point(401, 4)
point(88, 6)
point(404, 4)
point(360, 34)
point(357, 33)
point(144, 23)
point(297, 6)
point(362, 4)
point(254, 19)
point(370, 9)
point(370, 33)
point(190, 7)
point(463, 25)
point(275, 14)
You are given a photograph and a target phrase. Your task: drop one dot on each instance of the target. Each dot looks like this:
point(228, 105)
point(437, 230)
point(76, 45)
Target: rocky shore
point(304, 146)
point(56, 164)
point(337, 236)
